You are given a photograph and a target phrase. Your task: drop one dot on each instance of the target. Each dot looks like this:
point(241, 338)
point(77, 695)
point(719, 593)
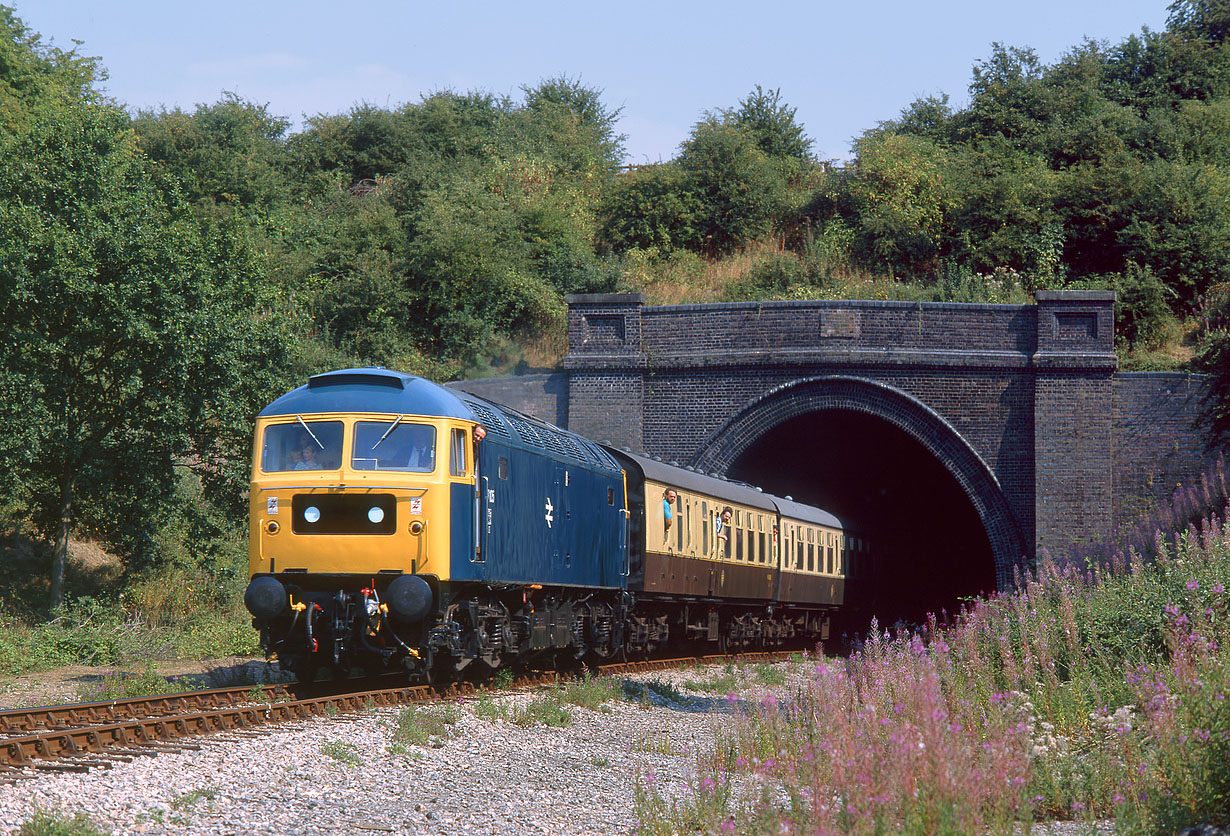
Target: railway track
point(80, 737)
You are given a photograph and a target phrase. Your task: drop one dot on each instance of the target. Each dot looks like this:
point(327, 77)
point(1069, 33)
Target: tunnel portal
point(932, 548)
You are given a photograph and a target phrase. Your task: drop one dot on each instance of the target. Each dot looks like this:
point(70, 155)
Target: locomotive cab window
point(394, 445)
point(311, 445)
point(457, 456)
point(502, 469)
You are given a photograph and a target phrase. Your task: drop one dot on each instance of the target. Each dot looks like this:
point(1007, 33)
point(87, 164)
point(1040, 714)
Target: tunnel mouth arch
point(894, 413)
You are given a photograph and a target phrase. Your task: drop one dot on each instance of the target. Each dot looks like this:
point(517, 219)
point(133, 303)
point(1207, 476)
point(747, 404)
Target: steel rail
point(17, 720)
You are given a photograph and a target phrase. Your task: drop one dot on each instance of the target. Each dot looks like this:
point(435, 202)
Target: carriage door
point(561, 537)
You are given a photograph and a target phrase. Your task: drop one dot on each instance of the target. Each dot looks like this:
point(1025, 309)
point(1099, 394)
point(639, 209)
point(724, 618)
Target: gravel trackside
point(491, 777)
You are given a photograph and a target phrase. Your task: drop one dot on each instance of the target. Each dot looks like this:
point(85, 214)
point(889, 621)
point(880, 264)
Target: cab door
point(463, 500)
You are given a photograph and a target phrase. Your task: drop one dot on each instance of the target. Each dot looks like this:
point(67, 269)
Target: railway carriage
point(751, 580)
point(398, 523)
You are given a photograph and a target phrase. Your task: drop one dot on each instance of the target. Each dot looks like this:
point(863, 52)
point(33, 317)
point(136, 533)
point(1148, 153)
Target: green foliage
point(740, 189)
point(589, 692)
point(130, 331)
point(1143, 312)
point(771, 123)
point(898, 193)
point(187, 799)
point(430, 726)
point(226, 154)
point(121, 686)
point(579, 128)
point(725, 682)
point(34, 75)
point(653, 207)
point(548, 711)
point(52, 824)
point(341, 751)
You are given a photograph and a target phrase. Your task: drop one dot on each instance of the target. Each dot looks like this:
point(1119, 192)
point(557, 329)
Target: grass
point(53, 824)
point(121, 686)
point(658, 743)
point(719, 683)
point(187, 799)
point(1092, 691)
point(547, 711)
point(427, 726)
point(341, 751)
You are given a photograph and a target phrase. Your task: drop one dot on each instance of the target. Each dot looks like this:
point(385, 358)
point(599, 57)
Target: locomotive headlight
point(375, 514)
point(311, 514)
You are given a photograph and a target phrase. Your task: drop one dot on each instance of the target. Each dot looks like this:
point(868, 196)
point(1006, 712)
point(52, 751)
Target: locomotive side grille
point(344, 513)
point(490, 420)
point(544, 437)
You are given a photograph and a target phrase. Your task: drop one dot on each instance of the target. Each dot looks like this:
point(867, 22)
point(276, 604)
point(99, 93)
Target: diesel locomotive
point(399, 524)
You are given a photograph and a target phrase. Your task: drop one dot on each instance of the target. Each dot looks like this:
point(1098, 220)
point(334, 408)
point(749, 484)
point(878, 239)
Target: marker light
point(311, 514)
point(375, 513)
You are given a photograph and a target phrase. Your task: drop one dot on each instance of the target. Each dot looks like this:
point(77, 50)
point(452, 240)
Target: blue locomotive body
point(549, 508)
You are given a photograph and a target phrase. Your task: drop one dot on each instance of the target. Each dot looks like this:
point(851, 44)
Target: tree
point(652, 207)
point(580, 124)
point(32, 74)
point(127, 327)
point(900, 193)
point(738, 187)
point(771, 123)
point(229, 153)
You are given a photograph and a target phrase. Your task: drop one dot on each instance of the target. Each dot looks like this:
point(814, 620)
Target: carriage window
point(811, 557)
point(738, 535)
point(457, 459)
point(830, 561)
point(503, 468)
point(394, 445)
point(704, 527)
point(764, 554)
point(312, 445)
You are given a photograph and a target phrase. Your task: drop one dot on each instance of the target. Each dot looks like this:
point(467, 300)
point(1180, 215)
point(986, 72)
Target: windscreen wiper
point(396, 421)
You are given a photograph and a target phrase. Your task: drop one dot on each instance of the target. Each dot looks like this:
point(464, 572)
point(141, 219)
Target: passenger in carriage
point(668, 510)
point(722, 527)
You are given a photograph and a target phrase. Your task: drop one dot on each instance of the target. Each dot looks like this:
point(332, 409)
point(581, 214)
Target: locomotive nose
point(266, 598)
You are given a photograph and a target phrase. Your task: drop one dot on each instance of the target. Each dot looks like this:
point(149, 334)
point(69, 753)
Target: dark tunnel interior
point(932, 548)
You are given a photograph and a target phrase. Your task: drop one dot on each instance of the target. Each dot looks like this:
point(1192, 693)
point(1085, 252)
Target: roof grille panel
point(490, 420)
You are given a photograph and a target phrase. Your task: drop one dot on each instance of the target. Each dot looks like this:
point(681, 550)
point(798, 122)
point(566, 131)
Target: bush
point(739, 188)
point(1143, 316)
point(654, 207)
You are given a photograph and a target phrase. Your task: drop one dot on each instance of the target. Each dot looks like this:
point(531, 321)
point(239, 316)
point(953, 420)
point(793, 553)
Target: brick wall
point(544, 396)
point(1156, 445)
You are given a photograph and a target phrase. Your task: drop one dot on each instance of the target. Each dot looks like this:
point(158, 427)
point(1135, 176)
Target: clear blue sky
point(845, 66)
